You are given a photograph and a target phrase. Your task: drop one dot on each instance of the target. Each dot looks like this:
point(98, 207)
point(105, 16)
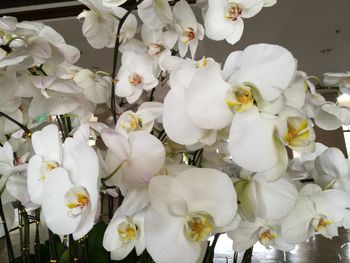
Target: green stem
point(72, 250)
point(37, 236)
point(24, 223)
point(210, 254)
point(52, 247)
point(247, 257)
point(235, 257)
point(60, 125)
point(112, 174)
point(23, 127)
point(10, 254)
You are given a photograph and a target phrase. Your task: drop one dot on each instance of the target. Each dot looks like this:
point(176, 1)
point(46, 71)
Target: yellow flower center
point(199, 226)
point(201, 63)
point(133, 123)
point(322, 223)
point(46, 167)
point(188, 35)
point(239, 98)
point(233, 11)
point(135, 79)
point(266, 235)
point(76, 199)
point(298, 133)
point(154, 49)
point(127, 231)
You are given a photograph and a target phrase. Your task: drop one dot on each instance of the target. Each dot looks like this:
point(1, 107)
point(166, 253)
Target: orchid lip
point(76, 200)
point(199, 226)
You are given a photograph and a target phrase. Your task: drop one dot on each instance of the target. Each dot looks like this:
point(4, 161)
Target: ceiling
point(317, 32)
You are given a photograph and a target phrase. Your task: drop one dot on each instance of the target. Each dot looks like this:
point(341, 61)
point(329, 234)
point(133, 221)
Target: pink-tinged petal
point(166, 240)
point(116, 142)
point(143, 163)
point(40, 47)
point(42, 82)
point(71, 54)
point(57, 215)
point(205, 99)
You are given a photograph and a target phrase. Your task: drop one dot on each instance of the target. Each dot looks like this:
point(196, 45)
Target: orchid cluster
point(189, 147)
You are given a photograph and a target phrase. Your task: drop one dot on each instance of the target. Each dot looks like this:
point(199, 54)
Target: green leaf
point(96, 252)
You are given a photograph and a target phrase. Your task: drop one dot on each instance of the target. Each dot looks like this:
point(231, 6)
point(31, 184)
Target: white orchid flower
point(155, 14)
point(224, 18)
point(47, 147)
point(189, 31)
point(268, 233)
point(257, 197)
point(131, 157)
point(70, 193)
point(96, 87)
point(316, 211)
point(137, 73)
point(101, 23)
point(331, 116)
point(142, 120)
point(195, 108)
point(124, 233)
point(332, 170)
point(257, 66)
point(184, 212)
point(297, 133)
point(159, 43)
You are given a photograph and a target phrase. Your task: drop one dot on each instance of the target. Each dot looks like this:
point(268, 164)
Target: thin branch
point(23, 127)
point(10, 253)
